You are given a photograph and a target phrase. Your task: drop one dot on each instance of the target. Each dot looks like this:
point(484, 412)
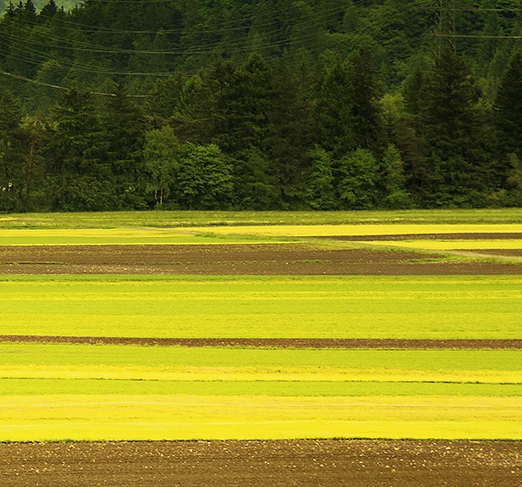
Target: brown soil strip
point(314, 463)
point(248, 259)
point(275, 342)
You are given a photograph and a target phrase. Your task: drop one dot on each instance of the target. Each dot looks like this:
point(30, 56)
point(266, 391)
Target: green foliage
point(266, 83)
point(515, 180)
point(508, 110)
point(124, 132)
point(14, 156)
point(396, 196)
point(456, 165)
point(202, 178)
point(320, 193)
point(358, 179)
point(81, 177)
point(160, 156)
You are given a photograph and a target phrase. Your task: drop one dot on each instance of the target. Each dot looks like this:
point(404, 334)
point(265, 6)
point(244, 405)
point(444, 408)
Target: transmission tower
point(444, 29)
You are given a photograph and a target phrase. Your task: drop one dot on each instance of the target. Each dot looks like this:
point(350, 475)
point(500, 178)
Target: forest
point(260, 104)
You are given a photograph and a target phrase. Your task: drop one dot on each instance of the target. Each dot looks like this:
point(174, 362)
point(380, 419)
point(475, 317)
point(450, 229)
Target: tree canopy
point(323, 104)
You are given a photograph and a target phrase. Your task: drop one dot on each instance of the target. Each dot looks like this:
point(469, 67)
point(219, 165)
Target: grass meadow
point(64, 391)
point(57, 392)
point(174, 219)
point(263, 307)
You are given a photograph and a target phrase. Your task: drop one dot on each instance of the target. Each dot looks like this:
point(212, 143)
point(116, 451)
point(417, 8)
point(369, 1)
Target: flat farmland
point(256, 339)
point(427, 307)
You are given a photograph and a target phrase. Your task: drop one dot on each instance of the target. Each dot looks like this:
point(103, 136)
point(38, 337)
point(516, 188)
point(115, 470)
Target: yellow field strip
point(187, 373)
point(40, 418)
point(485, 244)
point(164, 234)
point(355, 230)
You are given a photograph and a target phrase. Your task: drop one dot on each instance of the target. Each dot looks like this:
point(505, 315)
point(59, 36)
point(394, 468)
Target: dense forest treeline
point(260, 104)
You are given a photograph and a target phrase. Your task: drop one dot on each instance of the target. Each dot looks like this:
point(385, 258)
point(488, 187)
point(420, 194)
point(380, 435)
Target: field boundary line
point(348, 343)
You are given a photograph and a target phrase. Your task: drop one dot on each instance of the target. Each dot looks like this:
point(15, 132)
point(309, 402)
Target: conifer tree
point(13, 155)
point(396, 196)
point(80, 177)
point(124, 131)
point(365, 110)
point(508, 111)
point(456, 171)
point(333, 111)
point(320, 191)
point(289, 136)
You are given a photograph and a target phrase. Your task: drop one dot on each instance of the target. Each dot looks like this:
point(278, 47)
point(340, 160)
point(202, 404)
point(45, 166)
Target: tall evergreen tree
point(394, 180)
point(320, 189)
point(457, 171)
point(366, 112)
point(508, 113)
point(347, 112)
point(289, 136)
point(239, 116)
point(333, 111)
point(124, 128)
point(80, 177)
point(13, 155)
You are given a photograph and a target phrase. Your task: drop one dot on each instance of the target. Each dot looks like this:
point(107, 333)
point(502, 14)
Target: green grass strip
point(263, 307)
point(40, 356)
point(169, 219)
point(30, 387)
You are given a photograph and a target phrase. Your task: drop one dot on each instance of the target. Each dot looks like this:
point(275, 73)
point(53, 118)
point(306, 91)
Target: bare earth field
point(344, 343)
point(243, 259)
point(354, 463)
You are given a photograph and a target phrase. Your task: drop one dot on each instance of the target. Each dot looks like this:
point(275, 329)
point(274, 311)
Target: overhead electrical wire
point(204, 49)
point(68, 44)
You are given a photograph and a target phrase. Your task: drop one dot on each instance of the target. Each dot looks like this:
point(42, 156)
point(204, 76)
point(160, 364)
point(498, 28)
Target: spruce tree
point(366, 113)
point(456, 171)
point(289, 136)
point(508, 112)
point(13, 155)
point(394, 180)
point(333, 111)
point(320, 190)
point(124, 131)
point(80, 176)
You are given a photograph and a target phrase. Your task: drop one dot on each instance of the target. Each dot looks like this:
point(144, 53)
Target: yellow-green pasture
point(122, 236)
point(451, 244)
point(86, 392)
point(170, 219)
point(236, 234)
point(263, 307)
point(179, 417)
point(354, 230)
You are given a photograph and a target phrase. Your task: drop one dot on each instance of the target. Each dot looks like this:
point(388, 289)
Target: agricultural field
point(269, 340)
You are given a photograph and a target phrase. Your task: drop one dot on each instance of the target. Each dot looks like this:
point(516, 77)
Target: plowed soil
point(314, 463)
point(244, 259)
point(275, 342)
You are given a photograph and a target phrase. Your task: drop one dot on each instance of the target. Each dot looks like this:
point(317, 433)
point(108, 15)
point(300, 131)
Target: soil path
point(314, 463)
point(274, 342)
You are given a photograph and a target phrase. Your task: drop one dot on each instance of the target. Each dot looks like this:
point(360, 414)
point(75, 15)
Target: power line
point(58, 87)
point(472, 36)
